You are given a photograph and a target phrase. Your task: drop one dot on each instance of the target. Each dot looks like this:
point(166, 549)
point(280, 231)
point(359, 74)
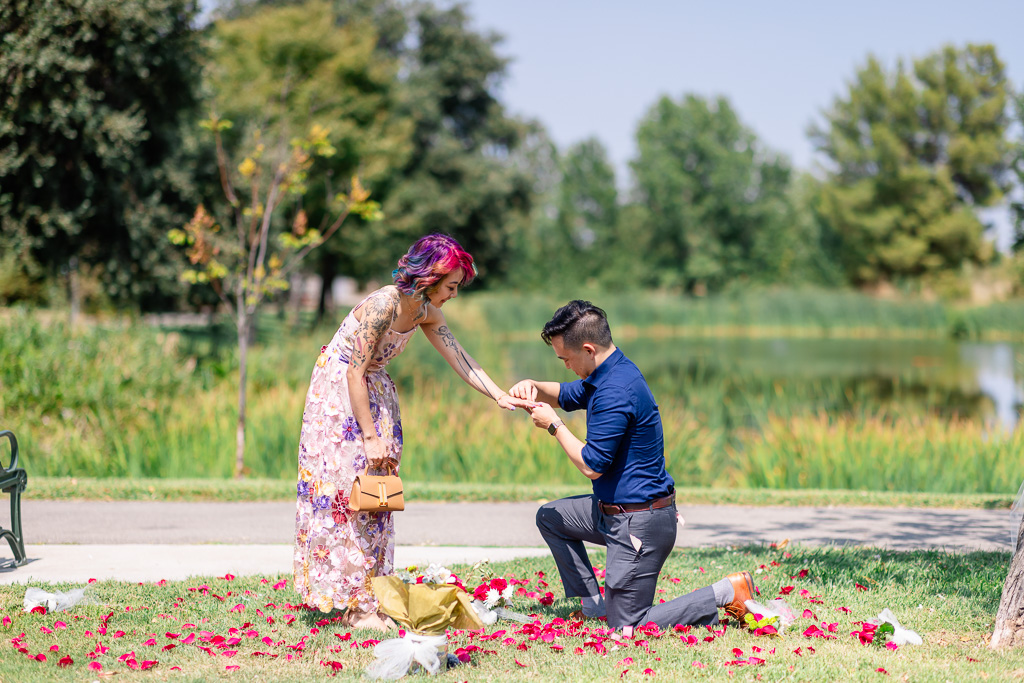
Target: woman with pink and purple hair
point(352, 422)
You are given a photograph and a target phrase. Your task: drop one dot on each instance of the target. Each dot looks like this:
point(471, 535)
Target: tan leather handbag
point(377, 493)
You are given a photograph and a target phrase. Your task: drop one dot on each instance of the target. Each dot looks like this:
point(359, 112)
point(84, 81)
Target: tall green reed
point(129, 400)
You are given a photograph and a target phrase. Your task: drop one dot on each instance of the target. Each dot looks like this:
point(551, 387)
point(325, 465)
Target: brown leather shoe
point(743, 587)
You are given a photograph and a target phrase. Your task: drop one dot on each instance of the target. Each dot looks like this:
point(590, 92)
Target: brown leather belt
point(656, 504)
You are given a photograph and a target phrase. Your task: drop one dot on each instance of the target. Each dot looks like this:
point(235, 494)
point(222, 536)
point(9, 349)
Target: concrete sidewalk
point(72, 541)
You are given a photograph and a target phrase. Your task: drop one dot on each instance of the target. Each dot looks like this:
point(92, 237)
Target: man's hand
point(543, 415)
point(525, 389)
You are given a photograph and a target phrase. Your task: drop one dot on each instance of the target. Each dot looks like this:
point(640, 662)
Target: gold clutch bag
point(377, 493)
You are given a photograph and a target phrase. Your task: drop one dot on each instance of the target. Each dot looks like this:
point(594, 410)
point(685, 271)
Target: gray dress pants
point(638, 544)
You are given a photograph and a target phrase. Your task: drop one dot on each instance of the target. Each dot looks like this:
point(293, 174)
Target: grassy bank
point(268, 490)
point(252, 628)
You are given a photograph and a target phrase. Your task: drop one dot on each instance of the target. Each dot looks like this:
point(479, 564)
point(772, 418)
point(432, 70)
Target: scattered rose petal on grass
point(95, 666)
point(859, 587)
point(700, 665)
point(232, 667)
point(7, 621)
point(882, 671)
point(808, 614)
point(648, 672)
point(521, 664)
point(59, 625)
point(54, 648)
point(892, 646)
point(65, 661)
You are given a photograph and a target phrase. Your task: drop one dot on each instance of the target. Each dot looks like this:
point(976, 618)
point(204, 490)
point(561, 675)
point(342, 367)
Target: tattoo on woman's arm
point(448, 339)
point(378, 315)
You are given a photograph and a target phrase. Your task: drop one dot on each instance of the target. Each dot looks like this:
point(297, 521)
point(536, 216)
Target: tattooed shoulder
point(379, 312)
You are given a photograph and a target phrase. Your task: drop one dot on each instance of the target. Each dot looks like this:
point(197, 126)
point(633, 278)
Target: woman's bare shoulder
point(380, 301)
point(433, 316)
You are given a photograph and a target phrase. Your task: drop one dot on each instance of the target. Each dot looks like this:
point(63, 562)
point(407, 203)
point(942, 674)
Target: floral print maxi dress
point(338, 551)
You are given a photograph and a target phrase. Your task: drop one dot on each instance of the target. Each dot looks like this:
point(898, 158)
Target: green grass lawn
point(264, 490)
point(251, 629)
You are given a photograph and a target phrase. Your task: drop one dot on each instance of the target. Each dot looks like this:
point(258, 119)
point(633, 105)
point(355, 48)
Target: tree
point(1009, 626)
point(588, 211)
point(463, 175)
point(460, 171)
point(913, 153)
point(253, 256)
point(1017, 164)
point(96, 160)
point(711, 191)
point(316, 70)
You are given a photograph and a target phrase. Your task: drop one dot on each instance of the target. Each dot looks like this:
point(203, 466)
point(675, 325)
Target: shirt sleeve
point(609, 418)
point(572, 396)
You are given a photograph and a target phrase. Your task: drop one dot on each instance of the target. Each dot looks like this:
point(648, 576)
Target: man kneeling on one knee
point(632, 510)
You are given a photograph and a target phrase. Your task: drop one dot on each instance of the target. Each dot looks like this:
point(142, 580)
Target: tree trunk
point(296, 286)
point(1009, 630)
point(74, 292)
point(243, 324)
point(327, 272)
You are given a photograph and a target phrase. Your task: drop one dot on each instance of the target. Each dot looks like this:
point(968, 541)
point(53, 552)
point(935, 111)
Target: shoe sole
point(750, 591)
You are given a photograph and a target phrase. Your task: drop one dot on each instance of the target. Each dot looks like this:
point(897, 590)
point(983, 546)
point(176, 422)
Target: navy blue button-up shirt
point(625, 442)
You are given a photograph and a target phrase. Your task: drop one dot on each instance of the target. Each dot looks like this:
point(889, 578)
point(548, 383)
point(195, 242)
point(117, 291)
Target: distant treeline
point(102, 153)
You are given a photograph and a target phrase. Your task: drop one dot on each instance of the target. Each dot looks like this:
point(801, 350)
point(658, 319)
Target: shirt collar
point(604, 369)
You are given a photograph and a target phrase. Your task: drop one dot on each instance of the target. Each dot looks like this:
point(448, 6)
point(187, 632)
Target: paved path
point(512, 525)
point(76, 540)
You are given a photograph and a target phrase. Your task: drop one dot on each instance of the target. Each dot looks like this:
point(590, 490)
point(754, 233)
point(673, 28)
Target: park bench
point(13, 481)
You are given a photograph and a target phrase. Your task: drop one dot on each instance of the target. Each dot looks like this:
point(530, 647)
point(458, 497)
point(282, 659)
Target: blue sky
point(594, 68)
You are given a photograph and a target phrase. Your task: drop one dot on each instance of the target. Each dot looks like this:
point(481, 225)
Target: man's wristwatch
point(553, 427)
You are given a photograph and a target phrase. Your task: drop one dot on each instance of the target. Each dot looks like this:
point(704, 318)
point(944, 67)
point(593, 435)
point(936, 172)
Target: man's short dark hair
point(579, 322)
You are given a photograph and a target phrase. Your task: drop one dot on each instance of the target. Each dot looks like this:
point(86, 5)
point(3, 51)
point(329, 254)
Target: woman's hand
point(376, 452)
point(509, 403)
point(525, 389)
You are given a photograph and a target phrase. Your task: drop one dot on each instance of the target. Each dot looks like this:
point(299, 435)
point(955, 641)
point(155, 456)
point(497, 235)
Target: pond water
point(966, 379)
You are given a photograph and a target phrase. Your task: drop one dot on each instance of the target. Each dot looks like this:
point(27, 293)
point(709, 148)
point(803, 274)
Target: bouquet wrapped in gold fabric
point(427, 606)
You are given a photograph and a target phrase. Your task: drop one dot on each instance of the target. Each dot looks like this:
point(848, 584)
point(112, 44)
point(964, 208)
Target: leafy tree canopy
point(96, 159)
point(712, 192)
point(912, 152)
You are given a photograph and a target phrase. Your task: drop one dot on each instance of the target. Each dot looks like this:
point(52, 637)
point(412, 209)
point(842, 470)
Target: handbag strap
point(389, 465)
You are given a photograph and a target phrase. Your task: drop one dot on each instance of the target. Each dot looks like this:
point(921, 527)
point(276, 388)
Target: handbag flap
point(369, 486)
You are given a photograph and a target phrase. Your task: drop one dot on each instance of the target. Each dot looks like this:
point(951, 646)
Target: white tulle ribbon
point(396, 656)
point(901, 634)
point(53, 602)
point(490, 616)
